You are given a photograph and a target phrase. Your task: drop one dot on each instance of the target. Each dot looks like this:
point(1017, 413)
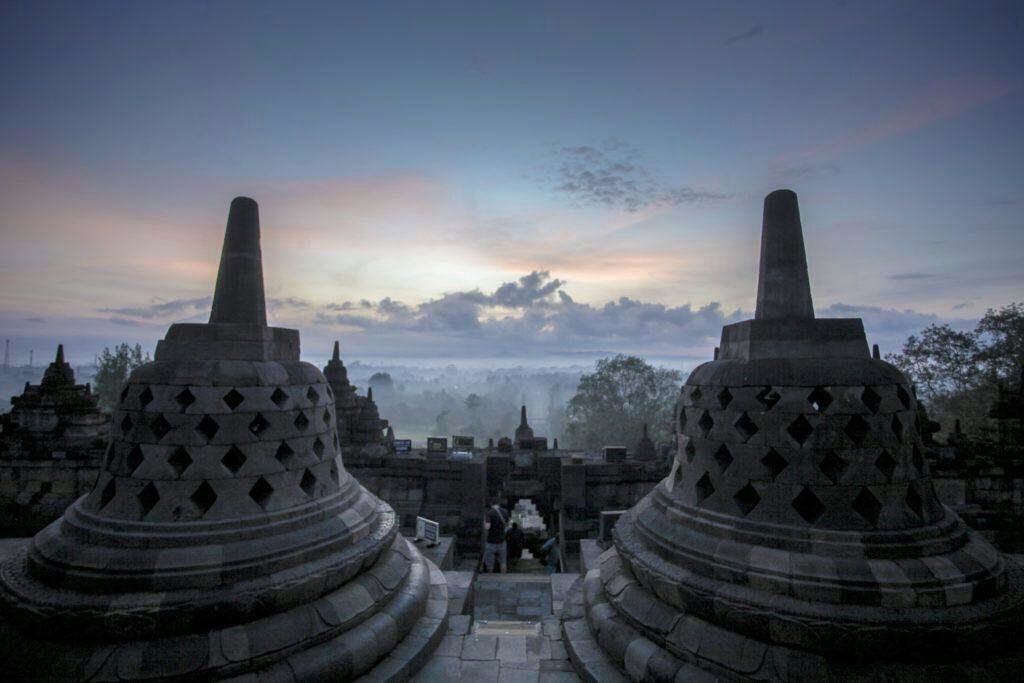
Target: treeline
point(958, 373)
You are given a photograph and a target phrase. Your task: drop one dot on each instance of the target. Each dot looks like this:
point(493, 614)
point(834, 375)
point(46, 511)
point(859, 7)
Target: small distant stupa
point(524, 434)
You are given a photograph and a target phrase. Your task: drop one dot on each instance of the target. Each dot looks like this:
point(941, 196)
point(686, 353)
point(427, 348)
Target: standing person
point(550, 554)
point(514, 538)
point(496, 520)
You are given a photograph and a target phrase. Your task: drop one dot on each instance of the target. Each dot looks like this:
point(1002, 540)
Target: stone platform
point(512, 597)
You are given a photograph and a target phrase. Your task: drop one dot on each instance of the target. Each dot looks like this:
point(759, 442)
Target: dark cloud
point(537, 286)
point(610, 175)
point(343, 306)
point(163, 309)
point(35, 320)
point(535, 315)
point(754, 31)
point(291, 302)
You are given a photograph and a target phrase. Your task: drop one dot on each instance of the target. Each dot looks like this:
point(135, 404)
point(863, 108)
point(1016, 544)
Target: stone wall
point(450, 492)
point(455, 493)
point(591, 488)
point(988, 496)
point(34, 493)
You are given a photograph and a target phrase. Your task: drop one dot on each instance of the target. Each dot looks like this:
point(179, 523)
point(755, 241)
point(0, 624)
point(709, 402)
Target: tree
point(114, 367)
point(613, 403)
point(940, 361)
point(383, 385)
point(1002, 342)
point(957, 373)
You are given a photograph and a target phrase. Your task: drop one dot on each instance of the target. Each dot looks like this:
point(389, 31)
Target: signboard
point(403, 445)
point(437, 444)
point(462, 443)
point(427, 530)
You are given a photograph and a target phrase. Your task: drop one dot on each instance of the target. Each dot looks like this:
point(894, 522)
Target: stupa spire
point(60, 355)
point(336, 356)
point(783, 288)
point(522, 417)
point(239, 296)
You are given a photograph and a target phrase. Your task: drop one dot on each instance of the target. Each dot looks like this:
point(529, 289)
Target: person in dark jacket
point(495, 548)
point(514, 539)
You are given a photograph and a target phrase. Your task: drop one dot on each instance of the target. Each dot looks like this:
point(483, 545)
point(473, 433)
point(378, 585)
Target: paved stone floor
point(512, 597)
point(532, 653)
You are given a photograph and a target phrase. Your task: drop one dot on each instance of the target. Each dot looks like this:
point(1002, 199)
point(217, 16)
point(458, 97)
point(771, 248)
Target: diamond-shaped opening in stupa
point(747, 499)
point(185, 398)
point(867, 506)
point(808, 505)
point(233, 399)
point(204, 497)
point(774, 462)
point(833, 466)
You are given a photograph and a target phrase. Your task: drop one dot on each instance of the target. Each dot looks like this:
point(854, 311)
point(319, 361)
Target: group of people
point(504, 542)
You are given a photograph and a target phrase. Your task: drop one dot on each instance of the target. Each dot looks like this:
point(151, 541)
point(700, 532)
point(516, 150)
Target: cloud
point(531, 315)
point(611, 175)
point(35, 319)
point(531, 288)
point(922, 106)
point(754, 31)
point(163, 309)
point(549, 321)
point(290, 302)
point(343, 306)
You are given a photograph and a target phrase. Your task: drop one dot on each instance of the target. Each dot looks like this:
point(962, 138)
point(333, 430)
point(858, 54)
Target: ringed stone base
point(613, 626)
point(382, 625)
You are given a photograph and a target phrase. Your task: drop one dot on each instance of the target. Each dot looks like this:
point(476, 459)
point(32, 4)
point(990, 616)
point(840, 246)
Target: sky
point(513, 181)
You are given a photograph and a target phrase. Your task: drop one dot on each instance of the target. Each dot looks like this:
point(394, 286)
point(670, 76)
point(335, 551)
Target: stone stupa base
point(383, 625)
point(616, 630)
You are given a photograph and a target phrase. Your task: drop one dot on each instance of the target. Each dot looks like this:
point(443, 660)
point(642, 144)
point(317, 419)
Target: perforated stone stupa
point(797, 536)
point(224, 536)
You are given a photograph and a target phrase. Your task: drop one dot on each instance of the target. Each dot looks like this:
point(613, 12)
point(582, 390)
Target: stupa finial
point(239, 296)
point(336, 356)
point(522, 416)
point(60, 354)
point(783, 288)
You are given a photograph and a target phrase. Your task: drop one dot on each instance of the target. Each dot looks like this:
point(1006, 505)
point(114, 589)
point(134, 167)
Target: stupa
point(797, 536)
point(359, 423)
point(368, 430)
point(58, 407)
point(51, 446)
point(524, 433)
point(645, 449)
point(224, 538)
